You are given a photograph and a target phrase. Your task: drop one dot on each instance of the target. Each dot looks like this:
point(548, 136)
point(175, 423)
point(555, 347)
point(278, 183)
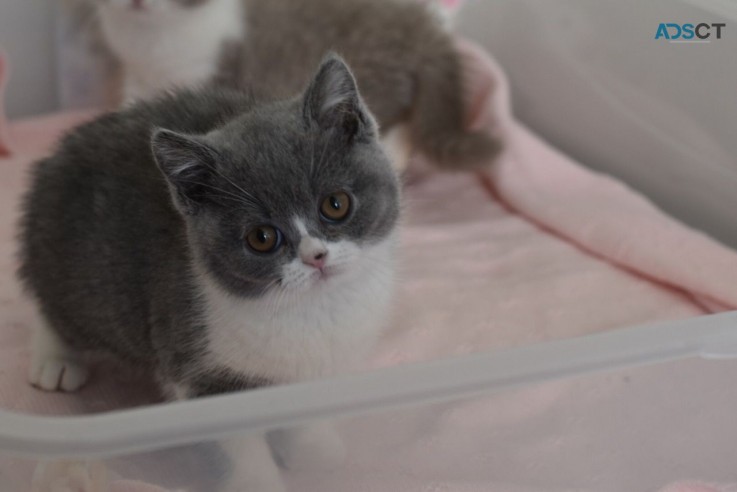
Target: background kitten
point(258, 251)
point(402, 56)
point(89, 73)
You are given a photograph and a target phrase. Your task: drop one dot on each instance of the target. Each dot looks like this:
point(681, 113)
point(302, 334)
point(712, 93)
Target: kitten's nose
point(137, 4)
point(316, 260)
point(313, 253)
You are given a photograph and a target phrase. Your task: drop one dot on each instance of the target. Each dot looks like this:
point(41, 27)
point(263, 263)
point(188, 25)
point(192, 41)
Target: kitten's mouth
point(324, 276)
point(321, 276)
point(328, 273)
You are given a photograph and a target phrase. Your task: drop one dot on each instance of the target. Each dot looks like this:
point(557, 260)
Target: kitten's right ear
point(333, 103)
point(187, 165)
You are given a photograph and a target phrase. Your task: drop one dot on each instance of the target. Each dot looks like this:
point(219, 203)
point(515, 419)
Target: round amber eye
point(264, 239)
point(335, 207)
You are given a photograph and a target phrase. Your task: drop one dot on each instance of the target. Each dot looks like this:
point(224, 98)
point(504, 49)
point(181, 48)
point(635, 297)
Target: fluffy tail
point(439, 119)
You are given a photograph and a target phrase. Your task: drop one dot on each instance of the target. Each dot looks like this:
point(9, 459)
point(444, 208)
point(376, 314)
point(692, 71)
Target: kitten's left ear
point(188, 166)
point(332, 101)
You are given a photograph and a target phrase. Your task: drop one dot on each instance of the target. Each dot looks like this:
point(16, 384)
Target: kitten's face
point(150, 6)
point(293, 196)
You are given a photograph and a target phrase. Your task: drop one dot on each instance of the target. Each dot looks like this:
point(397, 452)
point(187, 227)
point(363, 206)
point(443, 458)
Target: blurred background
point(27, 34)
point(588, 76)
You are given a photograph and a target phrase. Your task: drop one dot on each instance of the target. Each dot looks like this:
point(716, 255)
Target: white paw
point(313, 448)
point(57, 374)
point(54, 365)
point(254, 469)
point(70, 477)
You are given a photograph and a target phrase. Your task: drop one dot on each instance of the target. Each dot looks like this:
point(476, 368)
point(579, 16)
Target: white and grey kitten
point(402, 55)
point(221, 242)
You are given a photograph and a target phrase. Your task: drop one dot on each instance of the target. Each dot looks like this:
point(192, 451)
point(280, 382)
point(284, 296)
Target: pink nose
point(137, 4)
point(316, 259)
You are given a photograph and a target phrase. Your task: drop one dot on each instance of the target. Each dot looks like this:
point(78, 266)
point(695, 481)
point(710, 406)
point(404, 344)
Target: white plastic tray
point(422, 388)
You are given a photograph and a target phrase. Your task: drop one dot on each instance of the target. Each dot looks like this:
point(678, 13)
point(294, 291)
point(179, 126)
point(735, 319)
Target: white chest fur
point(319, 331)
point(175, 47)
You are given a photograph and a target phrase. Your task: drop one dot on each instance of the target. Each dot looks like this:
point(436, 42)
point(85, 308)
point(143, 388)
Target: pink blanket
point(539, 248)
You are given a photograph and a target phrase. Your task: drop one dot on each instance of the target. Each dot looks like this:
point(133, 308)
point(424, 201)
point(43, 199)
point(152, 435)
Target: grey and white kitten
point(404, 59)
point(221, 241)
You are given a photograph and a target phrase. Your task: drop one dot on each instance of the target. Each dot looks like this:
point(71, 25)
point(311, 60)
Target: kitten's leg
point(316, 447)
point(254, 469)
point(397, 144)
point(252, 465)
point(54, 365)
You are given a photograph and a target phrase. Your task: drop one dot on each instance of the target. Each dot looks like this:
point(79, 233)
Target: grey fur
point(109, 241)
point(405, 62)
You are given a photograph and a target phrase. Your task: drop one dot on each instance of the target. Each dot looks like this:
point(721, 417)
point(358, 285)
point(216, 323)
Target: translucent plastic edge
point(169, 425)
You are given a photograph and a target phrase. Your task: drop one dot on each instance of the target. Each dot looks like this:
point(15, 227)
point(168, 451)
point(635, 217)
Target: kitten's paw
point(55, 366)
point(254, 469)
point(317, 447)
point(57, 374)
point(70, 477)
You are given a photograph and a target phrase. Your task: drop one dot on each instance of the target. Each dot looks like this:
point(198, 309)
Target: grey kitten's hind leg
point(55, 366)
point(440, 115)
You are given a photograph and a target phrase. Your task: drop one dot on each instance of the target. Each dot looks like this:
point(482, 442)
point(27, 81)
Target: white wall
point(27, 36)
point(590, 77)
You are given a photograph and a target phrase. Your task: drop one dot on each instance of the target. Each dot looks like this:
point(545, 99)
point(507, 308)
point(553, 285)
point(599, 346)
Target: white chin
point(318, 280)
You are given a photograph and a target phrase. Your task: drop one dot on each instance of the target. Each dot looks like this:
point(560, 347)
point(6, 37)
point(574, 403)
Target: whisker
point(227, 194)
point(312, 159)
point(246, 194)
point(282, 296)
point(212, 187)
point(322, 156)
point(329, 157)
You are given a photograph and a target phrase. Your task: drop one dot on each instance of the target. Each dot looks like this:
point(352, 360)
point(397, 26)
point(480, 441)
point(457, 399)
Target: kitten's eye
point(264, 239)
point(335, 207)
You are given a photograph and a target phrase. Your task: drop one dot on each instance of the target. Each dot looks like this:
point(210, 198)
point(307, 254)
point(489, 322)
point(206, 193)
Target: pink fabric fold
point(594, 211)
